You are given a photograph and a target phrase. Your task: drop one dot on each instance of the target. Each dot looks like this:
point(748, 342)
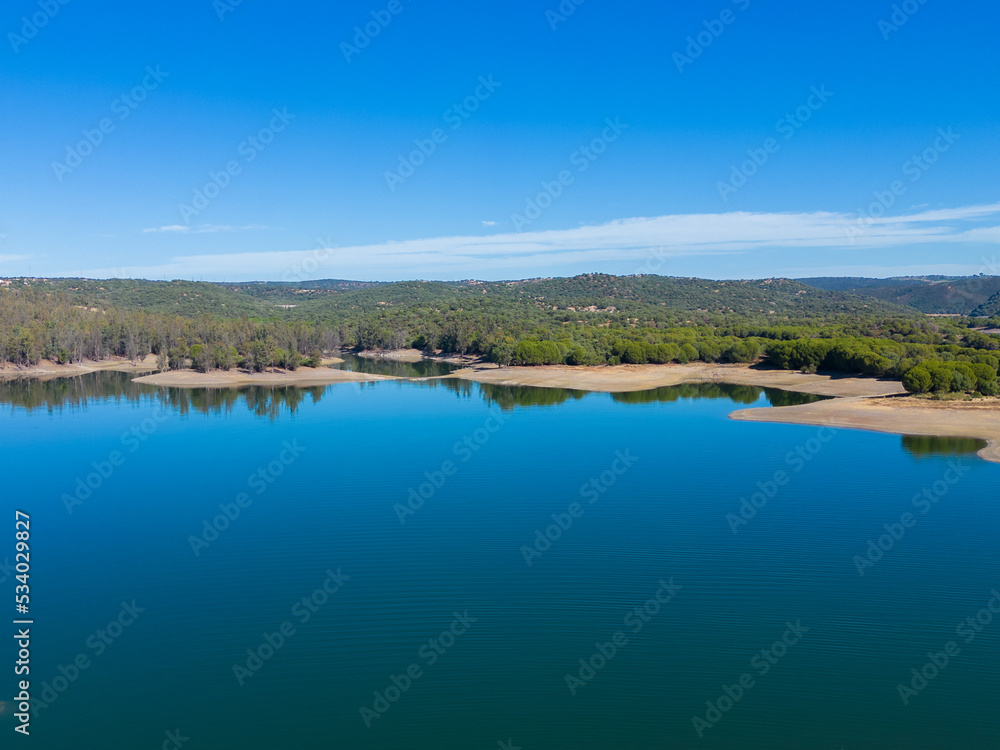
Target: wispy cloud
point(203, 229)
point(13, 258)
point(179, 228)
point(624, 240)
point(489, 223)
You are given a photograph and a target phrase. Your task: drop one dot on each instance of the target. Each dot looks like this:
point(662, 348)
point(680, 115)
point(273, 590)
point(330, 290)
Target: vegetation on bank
point(587, 320)
point(36, 326)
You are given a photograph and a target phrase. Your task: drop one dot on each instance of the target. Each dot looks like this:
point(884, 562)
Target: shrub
point(989, 388)
point(918, 380)
point(315, 359)
point(634, 354)
point(178, 358)
point(531, 352)
point(579, 356)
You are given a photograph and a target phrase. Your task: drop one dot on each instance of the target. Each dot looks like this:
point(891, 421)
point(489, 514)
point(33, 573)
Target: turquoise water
point(323, 476)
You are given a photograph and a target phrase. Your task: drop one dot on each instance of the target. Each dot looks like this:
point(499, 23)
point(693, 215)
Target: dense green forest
point(37, 325)
point(592, 319)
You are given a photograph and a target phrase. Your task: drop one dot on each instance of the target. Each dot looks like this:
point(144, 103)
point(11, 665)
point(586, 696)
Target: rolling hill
point(589, 298)
point(935, 295)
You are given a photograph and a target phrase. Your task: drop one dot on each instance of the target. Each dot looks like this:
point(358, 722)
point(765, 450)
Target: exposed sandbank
point(619, 379)
point(48, 370)
point(859, 402)
point(902, 416)
point(300, 378)
point(304, 376)
point(626, 378)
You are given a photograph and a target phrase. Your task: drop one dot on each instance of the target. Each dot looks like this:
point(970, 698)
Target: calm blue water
point(337, 506)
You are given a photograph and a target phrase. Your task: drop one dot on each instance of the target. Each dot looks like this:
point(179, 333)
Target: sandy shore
point(859, 403)
point(605, 379)
point(47, 370)
point(303, 377)
point(901, 416)
point(626, 378)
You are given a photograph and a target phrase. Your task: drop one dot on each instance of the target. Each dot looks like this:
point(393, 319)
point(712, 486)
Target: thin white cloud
point(489, 223)
point(13, 258)
point(953, 214)
point(635, 240)
point(203, 229)
point(180, 228)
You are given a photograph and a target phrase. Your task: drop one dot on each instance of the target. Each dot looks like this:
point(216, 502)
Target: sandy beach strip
point(304, 377)
point(858, 403)
point(901, 416)
point(46, 370)
point(619, 379)
point(627, 378)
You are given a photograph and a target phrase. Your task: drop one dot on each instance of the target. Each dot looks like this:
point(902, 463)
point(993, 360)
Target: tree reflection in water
point(273, 401)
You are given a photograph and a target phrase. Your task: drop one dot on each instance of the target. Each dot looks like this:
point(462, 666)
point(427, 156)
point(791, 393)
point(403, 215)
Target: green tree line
point(588, 320)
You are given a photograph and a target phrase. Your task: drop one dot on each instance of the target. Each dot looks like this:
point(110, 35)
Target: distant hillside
point(600, 299)
point(597, 299)
point(990, 308)
point(284, 292)
point(188, 298)
point(966, 295)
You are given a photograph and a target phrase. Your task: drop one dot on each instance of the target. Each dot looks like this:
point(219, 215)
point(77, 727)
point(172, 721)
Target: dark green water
point(423, 369)
point(666, 471)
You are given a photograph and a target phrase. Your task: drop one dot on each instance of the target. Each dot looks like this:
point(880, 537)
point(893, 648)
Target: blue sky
point(723, 139)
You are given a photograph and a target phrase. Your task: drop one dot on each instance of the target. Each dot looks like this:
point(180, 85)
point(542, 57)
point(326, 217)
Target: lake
point(453, 566)
point(396, 368)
